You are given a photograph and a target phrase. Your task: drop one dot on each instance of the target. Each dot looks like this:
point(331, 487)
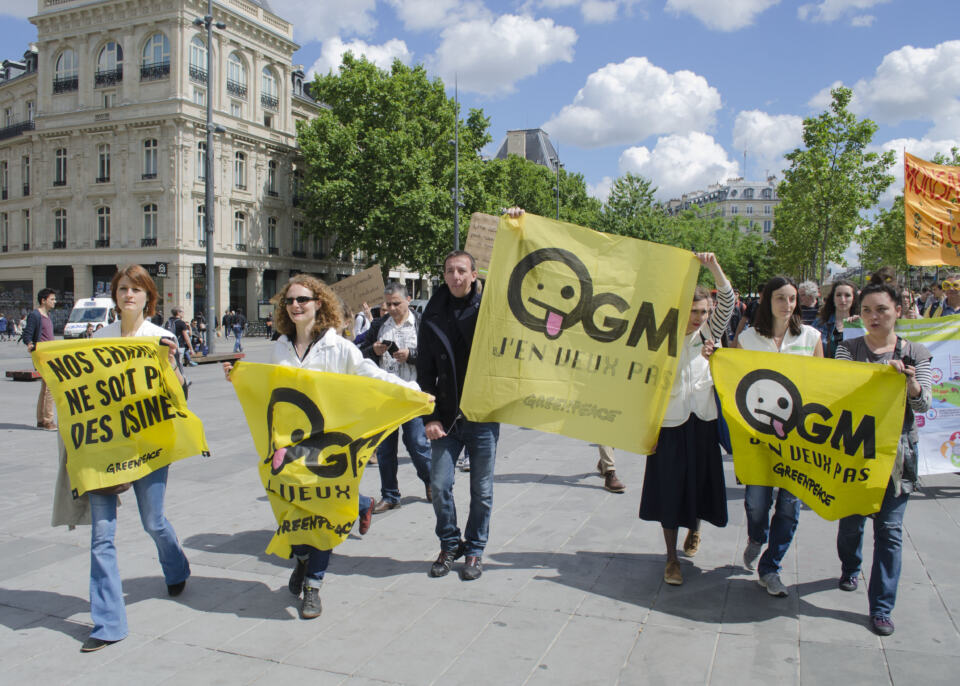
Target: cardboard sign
point(365, 287)
point(483, 229)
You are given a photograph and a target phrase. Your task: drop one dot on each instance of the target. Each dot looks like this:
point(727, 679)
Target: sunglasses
point(300, 300)
point(951, 285)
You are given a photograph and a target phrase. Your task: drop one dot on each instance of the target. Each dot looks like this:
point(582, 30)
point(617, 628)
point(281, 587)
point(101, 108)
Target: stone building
point(754, 202)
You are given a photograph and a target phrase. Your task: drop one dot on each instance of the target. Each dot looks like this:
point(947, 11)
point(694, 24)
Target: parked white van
point(89, 311)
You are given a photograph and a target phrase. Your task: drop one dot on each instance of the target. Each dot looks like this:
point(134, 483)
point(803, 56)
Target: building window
point(297, 184)
point(299, 243)
point(199, 96)
point(236, 76)
point(201, 160)
point(272, 236)
point(30, 110)
point(4, 232)
point(317, 247)
point(60, 167)
point(268, 121)
point(7, 117)
point(156, 58)
point(767, 209)
point(4, 180)
point(65, 79)
point(767, 226)
point(767, 193)
point(149, 225)
point(734, 210)
point(103, 163)
point(198, 60)
point(109, 65)
point(239, 230)
point(749, 209)
point(268, 89)
point(240, 171)
point(26, 229)
point(59, 229)
point(25, 173)
point(236, 110)
point(272, 179)
point(103, 227)
point(150, 158)
point(201, 225)
point(109, 99)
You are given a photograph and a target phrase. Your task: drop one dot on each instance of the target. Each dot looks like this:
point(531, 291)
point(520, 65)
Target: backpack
point(171, 326)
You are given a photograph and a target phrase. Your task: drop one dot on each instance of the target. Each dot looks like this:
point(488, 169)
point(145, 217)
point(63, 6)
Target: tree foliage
point(829, 183)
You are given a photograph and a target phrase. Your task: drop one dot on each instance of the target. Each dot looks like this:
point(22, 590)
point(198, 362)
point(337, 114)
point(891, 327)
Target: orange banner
point(931, 203)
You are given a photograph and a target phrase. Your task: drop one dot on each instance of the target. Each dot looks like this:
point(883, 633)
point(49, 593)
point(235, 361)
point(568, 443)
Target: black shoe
point(310, 607)
point(92, 645)
point(296, 576)
point(445, 561)
point(847, 583)
point(176, 589)
point(471, 569)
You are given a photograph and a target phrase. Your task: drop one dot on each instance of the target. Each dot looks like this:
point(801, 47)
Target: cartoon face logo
point(548, 289)
point(769, 402)
point(308, 446)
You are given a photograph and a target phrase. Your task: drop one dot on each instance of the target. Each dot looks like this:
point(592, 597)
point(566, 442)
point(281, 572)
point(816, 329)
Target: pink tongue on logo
point(278, 457)
point(554, 321)
point(777, 427)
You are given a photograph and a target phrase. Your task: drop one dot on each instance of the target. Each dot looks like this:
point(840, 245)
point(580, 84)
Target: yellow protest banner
point(121, 410)
point(578, 332)
point(314, 433)
point(825, 430)
point(931, 203)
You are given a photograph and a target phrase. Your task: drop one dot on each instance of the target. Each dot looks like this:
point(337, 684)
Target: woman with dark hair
point(309, 317)
point(839, 304)
point(777, 328)
point(879, 310)
point(683, 479)
point(135, 295)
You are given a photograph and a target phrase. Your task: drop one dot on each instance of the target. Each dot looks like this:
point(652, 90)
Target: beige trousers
point(606, 459)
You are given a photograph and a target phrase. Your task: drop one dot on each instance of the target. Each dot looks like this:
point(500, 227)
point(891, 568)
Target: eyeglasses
point(300, 300)
point(951, 285)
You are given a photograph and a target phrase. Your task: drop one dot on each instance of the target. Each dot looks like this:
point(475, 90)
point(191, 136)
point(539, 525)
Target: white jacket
point(333, 353)
point(692, 391)
point(148, 328)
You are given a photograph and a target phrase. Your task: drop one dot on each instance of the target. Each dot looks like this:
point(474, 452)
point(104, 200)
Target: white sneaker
point(774, 586)
point(751, 554)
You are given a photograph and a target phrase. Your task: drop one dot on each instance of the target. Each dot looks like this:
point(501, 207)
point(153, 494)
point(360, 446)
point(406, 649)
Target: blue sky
point(671, 89)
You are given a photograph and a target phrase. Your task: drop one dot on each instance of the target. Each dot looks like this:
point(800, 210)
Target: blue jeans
point(480, 438)
point(416, 442)
point(887, 550)
point(238, 335)
point(757, 501)
point(318, 560)
point(106, 592)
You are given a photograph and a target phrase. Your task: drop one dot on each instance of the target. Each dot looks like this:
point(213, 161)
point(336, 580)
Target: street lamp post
point(456, 167)
point(556, 189)
point(208, 22)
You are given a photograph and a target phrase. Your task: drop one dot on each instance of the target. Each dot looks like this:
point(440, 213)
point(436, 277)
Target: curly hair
point(329, 312)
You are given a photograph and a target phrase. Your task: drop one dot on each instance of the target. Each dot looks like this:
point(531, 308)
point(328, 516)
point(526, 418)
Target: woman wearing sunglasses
point(308, 316)
point(951, 301)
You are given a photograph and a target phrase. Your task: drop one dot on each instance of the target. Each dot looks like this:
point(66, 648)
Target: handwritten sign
point(365, 287)
point(483, 229)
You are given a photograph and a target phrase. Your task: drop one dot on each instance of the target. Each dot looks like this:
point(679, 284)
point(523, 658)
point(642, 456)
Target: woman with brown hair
point(308, 316)
point(839, 304)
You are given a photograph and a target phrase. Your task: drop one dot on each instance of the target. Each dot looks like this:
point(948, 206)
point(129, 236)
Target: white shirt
point(803, 344)
point(404, 335)
point(148, 328)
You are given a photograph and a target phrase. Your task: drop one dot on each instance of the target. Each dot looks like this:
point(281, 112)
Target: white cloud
point(318, 21)
point(381, 55)
point(601, 189)
point(862, 20)
point(766, 138)
point(831, 10)
point(593, 11)
point(627, 102)
point(925, 148)
point(680, 164)
point(423, 15)
point(728, 15)
point(490, 56)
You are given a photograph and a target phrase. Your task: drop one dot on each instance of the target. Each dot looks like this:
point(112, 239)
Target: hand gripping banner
point(825, 430)
point(931, 193)
point(578, 332)
point(121, 409)
point(314, 432)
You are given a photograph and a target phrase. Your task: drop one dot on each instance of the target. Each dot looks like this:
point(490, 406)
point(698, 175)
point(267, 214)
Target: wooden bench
point(23, 375)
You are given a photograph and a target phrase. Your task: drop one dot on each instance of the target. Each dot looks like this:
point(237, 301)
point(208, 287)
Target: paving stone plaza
point(572, 589)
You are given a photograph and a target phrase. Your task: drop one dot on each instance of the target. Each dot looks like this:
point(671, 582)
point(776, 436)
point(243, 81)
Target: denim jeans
point(417, 446)
point(318, 560)
point(106, 592)
point(480, 438)
point(887, 550)
point(237, 335)
point(779, 530)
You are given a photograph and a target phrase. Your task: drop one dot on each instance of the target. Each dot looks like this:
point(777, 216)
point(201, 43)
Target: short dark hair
point(460, 253)
point(44, 294)
point(882, 287)
point(141, 278)
point(395, 287)
point(763, 321)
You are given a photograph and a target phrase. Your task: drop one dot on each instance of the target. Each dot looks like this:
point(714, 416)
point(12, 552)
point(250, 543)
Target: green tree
point(829, 183)
point(631, 210)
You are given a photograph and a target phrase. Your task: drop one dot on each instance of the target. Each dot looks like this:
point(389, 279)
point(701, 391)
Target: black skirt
point(683, 481)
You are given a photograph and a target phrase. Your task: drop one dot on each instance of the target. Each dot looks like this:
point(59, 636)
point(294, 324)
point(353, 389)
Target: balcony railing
point(155, 70)
point(198, 74)
point(3, 194)
point(58, 245)
point(273, 251)
point(15, 129)
point(26, 189)
point(202, 242)
point(65, 84)
point(4, 248)
point(108, 77)
point(270, 102)
point(26, 246)
point(318, 254)
point(273, 194)
point(236, 89)
point(59, 182)
point(299, 253)
point(103, 179)
point(240, 186)
point(102, 243)
point(148, 175)
point(148, 242)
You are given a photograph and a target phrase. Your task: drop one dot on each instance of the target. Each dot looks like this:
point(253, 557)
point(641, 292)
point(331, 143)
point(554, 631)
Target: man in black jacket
point(446, 334)
point(38, 329)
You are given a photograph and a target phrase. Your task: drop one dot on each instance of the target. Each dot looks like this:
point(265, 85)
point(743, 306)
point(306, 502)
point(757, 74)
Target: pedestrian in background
point(38, 329)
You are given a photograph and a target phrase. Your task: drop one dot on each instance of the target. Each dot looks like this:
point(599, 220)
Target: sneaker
point(441, 566)
point(296, 577)
point(385, 506)
point(847, 583)
point(463, 463)
point(471, 569)
point(310, 607)
point(671, 573)
point(881, 625)
point(91, 645)
point(774, 586)
point(691, 544)
point(366, 517)
point(751, 554)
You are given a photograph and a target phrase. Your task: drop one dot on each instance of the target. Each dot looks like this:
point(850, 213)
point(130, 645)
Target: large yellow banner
point(578, 332)
point(825, 430)
point(121, 410)
point(931, 203)
point(314, 433)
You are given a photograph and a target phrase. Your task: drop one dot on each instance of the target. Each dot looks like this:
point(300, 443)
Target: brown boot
point(612, 483)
